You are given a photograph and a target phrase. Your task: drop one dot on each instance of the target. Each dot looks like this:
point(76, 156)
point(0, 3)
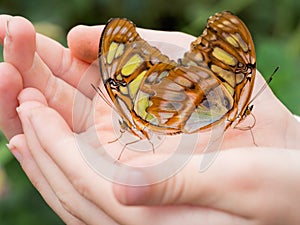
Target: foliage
point(274, 24)
point(21, 203)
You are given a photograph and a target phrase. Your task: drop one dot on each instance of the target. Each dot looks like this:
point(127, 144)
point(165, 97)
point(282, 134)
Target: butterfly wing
point(126, 60)
point(227, 49)
point(151, 92)
point(211, 84)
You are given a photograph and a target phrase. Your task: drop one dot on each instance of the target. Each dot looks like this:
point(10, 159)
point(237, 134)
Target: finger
point(20, 32)
point(19, 148)
point(3, 24)
point(68, 159)
point(21, 45)
point(10, 86)
point(71, 200)
point(232, 180)
point(65, 65)
point(83, 41)
point(19, 50)
point(31, 94)
point(37, 74)
point(166, 215)
point(238, 183)
point(172, 44)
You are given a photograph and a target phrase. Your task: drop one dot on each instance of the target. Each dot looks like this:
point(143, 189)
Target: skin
point(244, 185)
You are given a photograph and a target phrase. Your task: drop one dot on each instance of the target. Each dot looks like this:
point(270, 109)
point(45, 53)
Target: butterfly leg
point(249, 127)
point(252, 135)
point(125, 146)
point(116, 139)
point(132, 142)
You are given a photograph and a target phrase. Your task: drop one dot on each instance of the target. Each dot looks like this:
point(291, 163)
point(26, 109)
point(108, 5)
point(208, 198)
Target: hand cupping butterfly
point(211, 84)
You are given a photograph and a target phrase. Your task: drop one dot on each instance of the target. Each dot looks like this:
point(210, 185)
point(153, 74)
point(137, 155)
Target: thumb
point(225, 179)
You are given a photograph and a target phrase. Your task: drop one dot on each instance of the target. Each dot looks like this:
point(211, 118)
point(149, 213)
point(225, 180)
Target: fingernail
point(7, 34)
point(18, 109)
point(14, 151)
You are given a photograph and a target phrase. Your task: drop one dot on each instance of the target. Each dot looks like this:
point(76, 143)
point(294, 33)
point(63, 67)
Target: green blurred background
point(274, 24)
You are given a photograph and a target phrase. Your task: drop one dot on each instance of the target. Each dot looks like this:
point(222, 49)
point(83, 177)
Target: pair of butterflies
point(211, 84)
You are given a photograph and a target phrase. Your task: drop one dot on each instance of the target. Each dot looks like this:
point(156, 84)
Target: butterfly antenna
point(101, 94)
point(265, 85)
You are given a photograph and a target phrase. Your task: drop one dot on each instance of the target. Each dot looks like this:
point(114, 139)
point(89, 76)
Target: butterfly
point(211, 84)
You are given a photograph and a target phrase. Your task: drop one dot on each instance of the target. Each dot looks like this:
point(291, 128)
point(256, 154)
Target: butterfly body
point(211, 84)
